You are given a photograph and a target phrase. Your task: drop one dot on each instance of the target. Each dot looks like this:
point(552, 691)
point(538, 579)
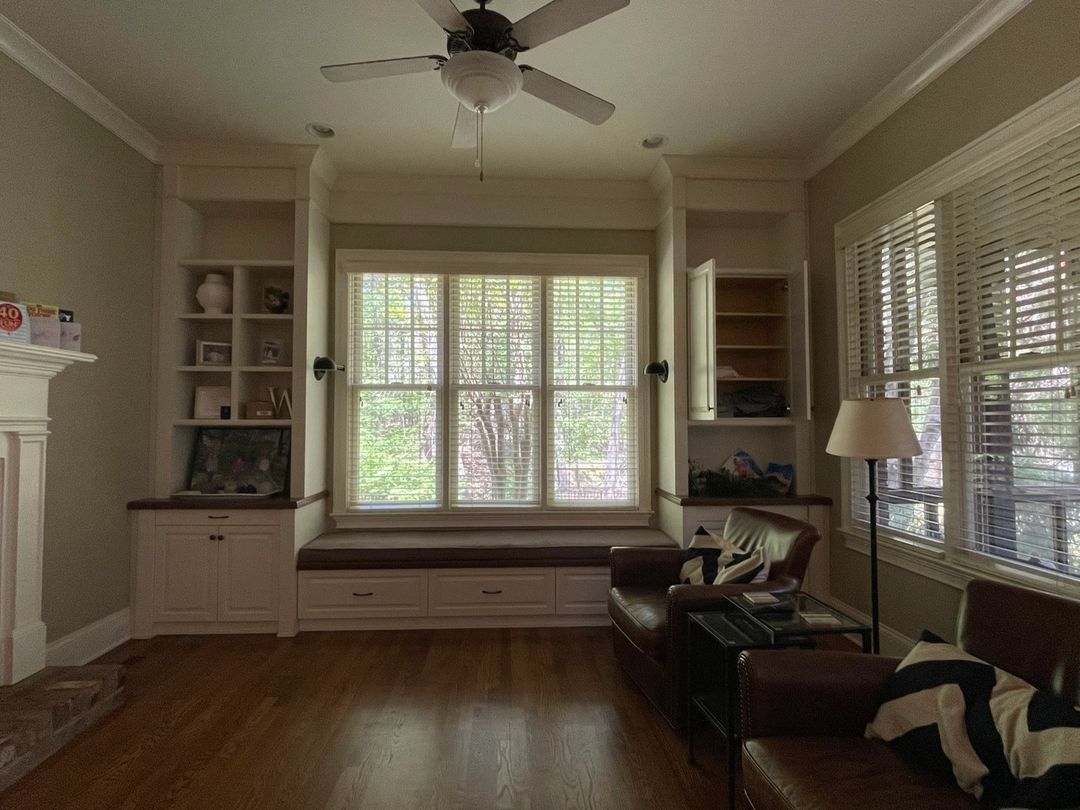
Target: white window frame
point(449, 263)
point(947, 562)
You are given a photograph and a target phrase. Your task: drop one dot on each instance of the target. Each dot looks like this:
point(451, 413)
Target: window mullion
point(447, 430)
point(952, 415)
point(544, 416)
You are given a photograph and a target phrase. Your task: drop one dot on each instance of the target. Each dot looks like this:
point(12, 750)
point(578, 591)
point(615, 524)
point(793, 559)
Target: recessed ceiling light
point(654, 141)
point(318, 130)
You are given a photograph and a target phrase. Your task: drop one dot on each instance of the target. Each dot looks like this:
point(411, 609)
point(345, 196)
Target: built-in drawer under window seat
point(469, 578)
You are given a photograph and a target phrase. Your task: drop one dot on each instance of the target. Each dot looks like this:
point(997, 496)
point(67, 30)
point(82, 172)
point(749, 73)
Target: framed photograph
point(210, 399)
point(272, 352)
point(240, 461)
point(212, 353)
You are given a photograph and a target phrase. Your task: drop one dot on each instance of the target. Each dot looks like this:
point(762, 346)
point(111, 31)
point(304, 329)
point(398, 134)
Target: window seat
point(472, 548)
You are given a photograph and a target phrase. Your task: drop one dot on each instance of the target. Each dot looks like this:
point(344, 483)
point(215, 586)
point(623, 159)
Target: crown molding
point(959, 40)
point(42, 64)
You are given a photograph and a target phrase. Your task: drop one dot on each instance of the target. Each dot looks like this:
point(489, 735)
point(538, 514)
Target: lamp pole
point(872, 499)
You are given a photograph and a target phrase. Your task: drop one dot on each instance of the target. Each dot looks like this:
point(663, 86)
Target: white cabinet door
point(701, 341)
point(185, 574)
point(248, 574)
point(799, 341)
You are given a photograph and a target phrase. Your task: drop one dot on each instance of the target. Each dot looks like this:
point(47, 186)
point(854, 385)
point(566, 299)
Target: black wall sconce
point(323, 365)
point(659, 368)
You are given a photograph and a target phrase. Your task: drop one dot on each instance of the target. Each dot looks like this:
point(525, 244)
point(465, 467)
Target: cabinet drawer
point(216, 518)
point(582, 591)
point(357, 594)
point(491, 592)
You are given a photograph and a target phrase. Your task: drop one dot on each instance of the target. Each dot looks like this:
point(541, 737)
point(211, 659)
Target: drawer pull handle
point(491, 593)
point(369, 593)
point(217, 517)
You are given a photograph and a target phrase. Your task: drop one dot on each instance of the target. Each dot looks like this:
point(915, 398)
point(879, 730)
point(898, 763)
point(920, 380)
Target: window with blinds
point(395, 430)
point(495, 389)
point(592, 373)
point(1015, 247)
point(509, 391)
point(997, 374)
point(893, 350)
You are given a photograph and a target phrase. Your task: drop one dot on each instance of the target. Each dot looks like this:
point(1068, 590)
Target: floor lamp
point(873, 429)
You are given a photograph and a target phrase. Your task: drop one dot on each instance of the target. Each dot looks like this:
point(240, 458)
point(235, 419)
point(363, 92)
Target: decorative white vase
point(214, 294)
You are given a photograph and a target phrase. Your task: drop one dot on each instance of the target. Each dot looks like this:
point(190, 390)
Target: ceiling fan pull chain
point(476, 160)
point(480, 141)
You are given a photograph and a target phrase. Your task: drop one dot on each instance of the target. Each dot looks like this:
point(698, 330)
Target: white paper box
point(71, 336)
point(45, 332)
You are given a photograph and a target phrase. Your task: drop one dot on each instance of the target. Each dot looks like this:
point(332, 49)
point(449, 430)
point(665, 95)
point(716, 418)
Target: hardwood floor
point(536, 719)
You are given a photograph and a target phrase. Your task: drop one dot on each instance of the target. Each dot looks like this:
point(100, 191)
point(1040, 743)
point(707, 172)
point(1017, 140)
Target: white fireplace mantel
point(25, 372)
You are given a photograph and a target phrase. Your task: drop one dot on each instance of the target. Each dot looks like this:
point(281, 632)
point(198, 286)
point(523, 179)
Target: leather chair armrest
point(658, 567)
point(790, 693)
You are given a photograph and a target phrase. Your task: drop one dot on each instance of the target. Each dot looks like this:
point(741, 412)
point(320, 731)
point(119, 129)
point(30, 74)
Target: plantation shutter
point(495, 390)
point(592, 372)
point(893, 350)
point(1015, 244)
point(395, 432)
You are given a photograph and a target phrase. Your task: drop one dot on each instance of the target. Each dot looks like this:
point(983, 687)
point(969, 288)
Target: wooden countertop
point(779, 500)
point(225, 502)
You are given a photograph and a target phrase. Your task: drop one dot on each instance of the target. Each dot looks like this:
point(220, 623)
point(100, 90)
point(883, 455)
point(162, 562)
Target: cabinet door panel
point(701, 341)
point(248, 575)
point(185, 575)
point(582, 591)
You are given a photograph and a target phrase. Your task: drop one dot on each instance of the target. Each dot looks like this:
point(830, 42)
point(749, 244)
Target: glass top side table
point(716, 638)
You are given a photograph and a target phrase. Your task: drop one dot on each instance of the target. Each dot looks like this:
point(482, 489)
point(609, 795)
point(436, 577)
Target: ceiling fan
point(480, 69)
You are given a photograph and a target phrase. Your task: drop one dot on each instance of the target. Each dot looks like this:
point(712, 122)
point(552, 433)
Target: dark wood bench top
point(472, 548)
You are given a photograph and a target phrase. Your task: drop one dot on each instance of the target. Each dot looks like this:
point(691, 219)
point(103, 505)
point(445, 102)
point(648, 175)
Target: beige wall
point(77, 230)
point(510, 240)
point(1029, 57)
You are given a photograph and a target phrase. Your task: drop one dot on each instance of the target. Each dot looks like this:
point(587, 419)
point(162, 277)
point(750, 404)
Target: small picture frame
point(272, 352)
point(209, 401)
point(212, 353)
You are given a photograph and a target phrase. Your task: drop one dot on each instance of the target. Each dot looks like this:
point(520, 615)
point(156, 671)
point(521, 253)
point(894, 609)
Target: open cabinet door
point(701, 341)
point(799, 341)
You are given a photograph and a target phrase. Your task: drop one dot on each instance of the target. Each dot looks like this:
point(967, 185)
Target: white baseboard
point(91, 641)
point(893, 642)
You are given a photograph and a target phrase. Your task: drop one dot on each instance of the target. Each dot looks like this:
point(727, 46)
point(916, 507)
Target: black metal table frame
point(728, 668)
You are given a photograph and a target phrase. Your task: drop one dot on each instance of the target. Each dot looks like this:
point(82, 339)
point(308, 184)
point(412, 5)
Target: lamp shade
point(873, 428)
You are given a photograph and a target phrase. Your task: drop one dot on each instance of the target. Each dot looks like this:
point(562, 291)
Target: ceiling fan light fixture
point(481, 79)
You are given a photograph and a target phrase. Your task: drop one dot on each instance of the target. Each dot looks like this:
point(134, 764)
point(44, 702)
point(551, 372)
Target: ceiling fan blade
point(446, 14)
point(560, 17)
point(379, 68)
point(464, 128)
point(565, 96)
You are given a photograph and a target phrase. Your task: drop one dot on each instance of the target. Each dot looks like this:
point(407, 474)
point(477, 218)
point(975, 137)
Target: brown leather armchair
point(648, 605)
point(804, 712)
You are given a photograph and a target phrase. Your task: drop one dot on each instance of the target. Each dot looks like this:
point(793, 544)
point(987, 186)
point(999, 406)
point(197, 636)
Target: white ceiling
point(760, 78)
